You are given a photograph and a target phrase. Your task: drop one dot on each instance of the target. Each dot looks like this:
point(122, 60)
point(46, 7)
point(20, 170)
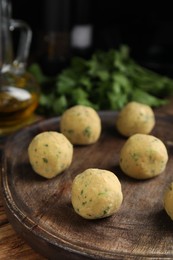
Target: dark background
point(146, 28)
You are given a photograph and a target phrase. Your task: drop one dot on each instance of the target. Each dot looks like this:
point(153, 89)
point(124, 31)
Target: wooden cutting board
point(40, 210)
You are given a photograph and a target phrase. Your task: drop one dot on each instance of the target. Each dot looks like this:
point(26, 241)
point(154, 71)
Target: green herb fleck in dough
point(45, 160)
point(78, 113)
point(153, 172)
point(102, 193)
point(135, 156)
point(154, 140)
point(46, 145)
point(152, 159)
point(87, 131)
point(62, 166)
point(105, 211)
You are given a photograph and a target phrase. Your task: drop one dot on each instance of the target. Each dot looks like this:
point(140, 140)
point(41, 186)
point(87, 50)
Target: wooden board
point(40, 210)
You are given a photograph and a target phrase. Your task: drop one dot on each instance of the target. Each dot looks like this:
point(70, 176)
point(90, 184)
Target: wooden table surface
point(12, 246)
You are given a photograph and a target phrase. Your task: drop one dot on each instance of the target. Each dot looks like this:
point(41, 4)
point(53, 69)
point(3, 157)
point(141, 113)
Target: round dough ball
point(135, 118)
point(168, 200)
point(50, 153)
point(143, 156)
point(81, 125)
point(96, 193)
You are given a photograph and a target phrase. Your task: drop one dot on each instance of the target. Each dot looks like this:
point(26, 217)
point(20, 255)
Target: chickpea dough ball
point(96, 193)
point(50, 153)
point(135, 118)
point(168, 200)
point(143, 156)
point(81, 125)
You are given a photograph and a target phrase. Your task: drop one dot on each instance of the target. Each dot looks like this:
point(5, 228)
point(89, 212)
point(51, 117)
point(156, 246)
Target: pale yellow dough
point(81, 125)
point(168, 200)
point(96, 193)
point(135, 118)
point(143, 156)
point(50, 153)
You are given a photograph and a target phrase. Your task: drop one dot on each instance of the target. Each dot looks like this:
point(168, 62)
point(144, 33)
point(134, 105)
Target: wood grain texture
point(12, 246)
point(41, 212)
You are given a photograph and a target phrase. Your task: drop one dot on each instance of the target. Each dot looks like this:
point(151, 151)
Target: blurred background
point(64, 28)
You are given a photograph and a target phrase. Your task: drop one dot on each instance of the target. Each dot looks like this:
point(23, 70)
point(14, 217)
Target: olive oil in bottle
point(19, 92)
point(19, 96)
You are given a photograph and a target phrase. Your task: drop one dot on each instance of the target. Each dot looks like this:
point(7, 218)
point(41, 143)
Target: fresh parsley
point(108, 80)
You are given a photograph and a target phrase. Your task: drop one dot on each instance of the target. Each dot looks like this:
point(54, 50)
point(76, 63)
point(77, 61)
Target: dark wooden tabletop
point(12, 246)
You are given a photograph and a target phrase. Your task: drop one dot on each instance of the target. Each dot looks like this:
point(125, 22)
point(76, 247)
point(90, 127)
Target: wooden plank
point(40, 210)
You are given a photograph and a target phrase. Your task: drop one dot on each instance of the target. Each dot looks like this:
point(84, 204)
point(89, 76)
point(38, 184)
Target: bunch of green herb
point(107, 81)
